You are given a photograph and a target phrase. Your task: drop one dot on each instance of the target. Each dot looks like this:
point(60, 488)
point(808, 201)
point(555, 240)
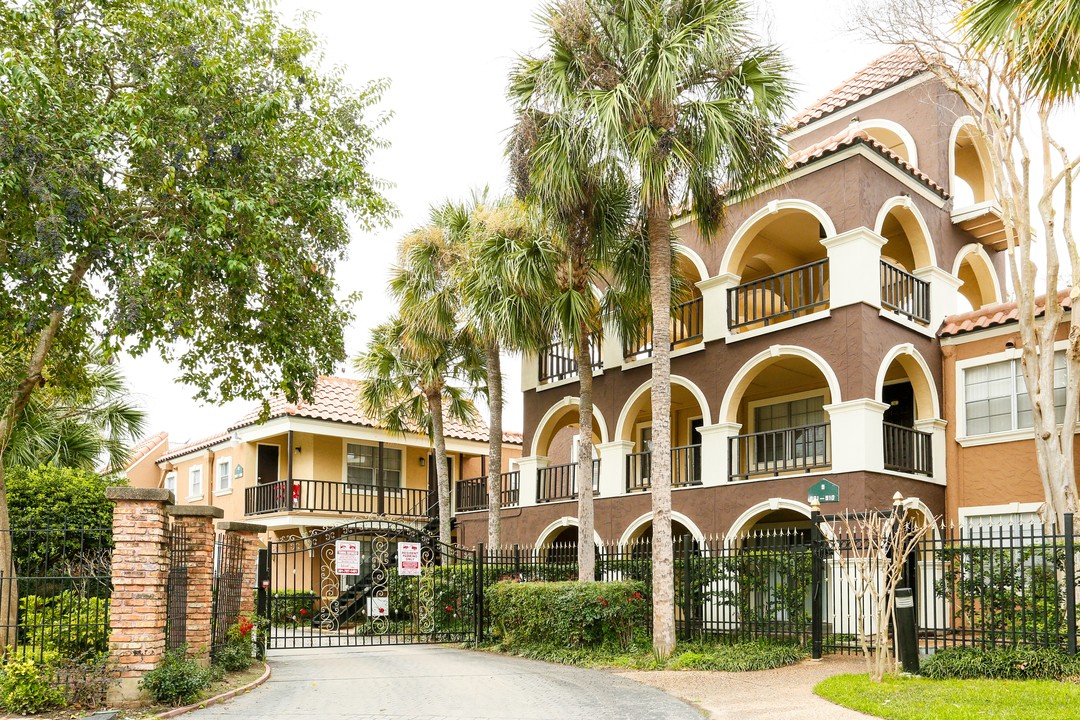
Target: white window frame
point(170, 482)
point(371, 489)
point(968, 514)
point(193, 471)
point(962, 366)
point(227, 462)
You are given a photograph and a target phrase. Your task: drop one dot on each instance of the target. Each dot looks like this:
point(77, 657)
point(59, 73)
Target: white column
point(943, 292)
point(714, 451)
point(854, 267)
point(612, 350)
point(856, 435)
point(530, 371)
point(613, 466)
point(936, 428)
point(529, 468)
point(714, 309)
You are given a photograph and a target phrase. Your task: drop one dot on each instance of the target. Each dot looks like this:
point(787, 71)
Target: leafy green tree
point(685, 97)
point(174, 174)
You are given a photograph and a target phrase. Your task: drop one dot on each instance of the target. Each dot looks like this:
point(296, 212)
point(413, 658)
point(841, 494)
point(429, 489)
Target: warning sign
point(408, 558)
point(347, 557)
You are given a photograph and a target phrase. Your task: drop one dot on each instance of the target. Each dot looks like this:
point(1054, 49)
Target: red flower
point(602, 601)
point(449, 609)
point(303, 611)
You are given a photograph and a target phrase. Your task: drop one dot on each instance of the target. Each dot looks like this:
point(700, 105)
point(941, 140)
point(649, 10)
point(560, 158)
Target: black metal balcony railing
point(687, 328)
point(904, 293)
point(556, 362)
point(685, 468)
point(773, 452)
point(908, 450)
point(323, 496)
point(471, 494)
point(559, 482)
point(783, 296)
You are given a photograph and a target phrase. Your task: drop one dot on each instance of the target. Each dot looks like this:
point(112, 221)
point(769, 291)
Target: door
point(267, 470)
point(695, 456)
point(900, 397)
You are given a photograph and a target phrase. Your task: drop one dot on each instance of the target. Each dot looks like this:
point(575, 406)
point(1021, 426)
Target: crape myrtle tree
point(690, 103)
point(1015, 109)
point(174, 175)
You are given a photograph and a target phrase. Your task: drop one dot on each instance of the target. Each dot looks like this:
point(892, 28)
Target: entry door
point(900, 397)
point(267, 471)
point(695, 439)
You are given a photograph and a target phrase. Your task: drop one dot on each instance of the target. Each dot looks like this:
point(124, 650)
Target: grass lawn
point(900, 698)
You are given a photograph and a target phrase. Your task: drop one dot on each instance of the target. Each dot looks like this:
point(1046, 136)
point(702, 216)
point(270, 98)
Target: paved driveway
point(440, 683)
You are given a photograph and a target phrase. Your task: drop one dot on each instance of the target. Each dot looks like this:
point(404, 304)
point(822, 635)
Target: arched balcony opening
point(557, 439)
point(780, 405)
point(979, 284)
point(688, 415)
point(687, 318)
point(893, 136)
point(970, 181)
point(782, 267)
point(908, 392)
point(907, 248)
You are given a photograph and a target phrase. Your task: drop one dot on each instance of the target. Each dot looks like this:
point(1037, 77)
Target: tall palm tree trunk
point(660, 472)
point(435, 407)
point(584, 474)
point(495, 432)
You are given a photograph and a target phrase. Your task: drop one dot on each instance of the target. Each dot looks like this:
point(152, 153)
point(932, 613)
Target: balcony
point(556, 362)
point(686, 330)
point(471, 494)
point(685, 468)
point(774, 452)
point(908, 450)
point(784, 296)
point(904, 293)
point(559, 482)
point(328, 497)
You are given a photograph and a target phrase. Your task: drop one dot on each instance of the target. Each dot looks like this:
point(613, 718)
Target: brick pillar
point(197, 522)
point(140, 571)
point(249, 534)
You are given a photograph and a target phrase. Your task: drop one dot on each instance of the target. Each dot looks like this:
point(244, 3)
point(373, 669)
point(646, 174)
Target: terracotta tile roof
point(994, 315)
point(144, 448)
point(195, 446)
point(851, 136)
point(882, 74)
point(512, 437)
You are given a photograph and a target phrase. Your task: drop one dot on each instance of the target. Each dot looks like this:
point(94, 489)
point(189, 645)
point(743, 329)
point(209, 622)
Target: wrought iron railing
point(904, 293)
point(559, 482)
point(908, 450)
point(325, 496)
point(783, 296)
point(471, 494)
point(773, 452)
point(687, 326)
point(685, 468)
point(556, 362)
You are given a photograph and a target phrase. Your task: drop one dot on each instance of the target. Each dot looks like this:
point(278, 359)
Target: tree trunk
point(586, 546)
point(495, 432)
point(435, 407)
point(659, 219)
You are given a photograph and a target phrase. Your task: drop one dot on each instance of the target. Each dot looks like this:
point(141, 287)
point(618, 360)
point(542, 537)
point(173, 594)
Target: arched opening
point(893, 136)
point(782, 266)
point(970, 180)
point(907, 248)
point(557, 548)
point(979, 283)
point(687, 320)
point(689, 412)
point(557, 437)
point(779, 400)
point(906, 387)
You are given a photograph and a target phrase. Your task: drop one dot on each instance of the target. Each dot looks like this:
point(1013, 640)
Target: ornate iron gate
point(342, 586)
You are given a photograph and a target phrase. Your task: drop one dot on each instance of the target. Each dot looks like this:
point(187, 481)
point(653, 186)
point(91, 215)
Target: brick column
point(197, 522)
point(249, 534)
point(140, 572)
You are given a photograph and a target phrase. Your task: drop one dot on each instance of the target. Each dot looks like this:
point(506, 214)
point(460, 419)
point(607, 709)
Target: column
point(856, 435)
point(715, 447)
point(249, 535)
point(140, 574)
point(529, 467)
point(854, 267)
point(714, 305)
point(943, 291)
point(612, 349)
point(197, 523)
point(613, 466)
point(936, 428)
point(530, 372)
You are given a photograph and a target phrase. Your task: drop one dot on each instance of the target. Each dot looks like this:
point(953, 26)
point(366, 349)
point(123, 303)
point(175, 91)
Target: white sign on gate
point(378, 607)
point(347, 557)
point(408, 558)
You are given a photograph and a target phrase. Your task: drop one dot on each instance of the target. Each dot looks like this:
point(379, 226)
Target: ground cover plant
point(905, 698)
point(1000, 664)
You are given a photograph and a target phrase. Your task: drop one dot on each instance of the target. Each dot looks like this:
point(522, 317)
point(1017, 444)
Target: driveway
point(440, 683)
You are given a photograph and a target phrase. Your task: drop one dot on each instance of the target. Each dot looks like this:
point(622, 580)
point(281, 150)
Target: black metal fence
point(176, 589)
point(784, 296)
point(228, 583)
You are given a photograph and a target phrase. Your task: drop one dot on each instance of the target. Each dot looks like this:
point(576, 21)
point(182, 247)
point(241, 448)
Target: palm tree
point(682, 94)
point(412, 383)
point(1041, 40)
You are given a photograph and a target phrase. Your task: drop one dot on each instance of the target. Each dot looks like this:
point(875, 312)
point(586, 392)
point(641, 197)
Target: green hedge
point(67, 623)
point(287, 607)
point(568, 614)
point(1000, 664)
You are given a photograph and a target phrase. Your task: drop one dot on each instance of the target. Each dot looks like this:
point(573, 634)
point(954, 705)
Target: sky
point(447, 61)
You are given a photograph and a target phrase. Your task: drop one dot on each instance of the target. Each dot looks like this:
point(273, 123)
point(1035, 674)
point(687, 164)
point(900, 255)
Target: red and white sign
point(408, 558)
point(347, 557)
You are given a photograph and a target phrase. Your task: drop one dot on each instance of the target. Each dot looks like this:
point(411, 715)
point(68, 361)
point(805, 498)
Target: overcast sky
point(447, 61)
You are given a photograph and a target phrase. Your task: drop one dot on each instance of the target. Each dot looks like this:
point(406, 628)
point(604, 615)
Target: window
point(363, 469)
point(195, 482)
point(803, 420)
point(223, 474)
point(170, 482)
point(996, 399)
point(995, 521)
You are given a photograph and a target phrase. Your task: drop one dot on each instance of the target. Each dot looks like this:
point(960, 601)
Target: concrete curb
point(217, 698)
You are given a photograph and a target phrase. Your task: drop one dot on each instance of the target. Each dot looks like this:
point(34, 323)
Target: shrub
point(67, 623)
point(737, 657)
point(29, 686)
point(291, 607)
point(568, 614)
point(86, 681)
point(236, 653)
point(1000, 664)
point(178, 680)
